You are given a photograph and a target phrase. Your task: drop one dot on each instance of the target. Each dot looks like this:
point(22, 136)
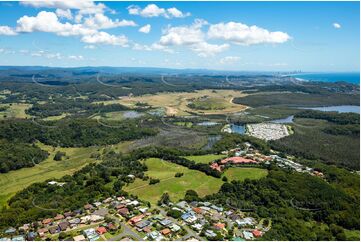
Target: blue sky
point(250, 36)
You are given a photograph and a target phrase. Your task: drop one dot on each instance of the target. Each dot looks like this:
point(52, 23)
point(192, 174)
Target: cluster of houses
point(148, 223)
point(214, 222)
point(251, 156)
point(286, 163)
point(246, 156)
point(92, 215)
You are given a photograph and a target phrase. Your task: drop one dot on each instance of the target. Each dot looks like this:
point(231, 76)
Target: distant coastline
point(350, 77)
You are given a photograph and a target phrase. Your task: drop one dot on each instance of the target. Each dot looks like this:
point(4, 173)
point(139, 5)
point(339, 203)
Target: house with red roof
point(136, 219)
point(219, 226)
point(215, 166)
point(101, 230)
point(256, 233)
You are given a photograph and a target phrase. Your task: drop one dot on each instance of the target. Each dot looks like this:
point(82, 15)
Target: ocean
point(351, 77)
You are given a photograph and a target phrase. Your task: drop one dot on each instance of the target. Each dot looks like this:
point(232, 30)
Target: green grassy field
point(209, 104)
point(14, 181)
point(241, 173)
point(205, 158)
point(192, 179)
point(176, 187)
point(15, 110)
point(58, 117)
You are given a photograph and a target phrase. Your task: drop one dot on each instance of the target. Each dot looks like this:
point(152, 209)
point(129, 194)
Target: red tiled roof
point(101, 230)
point(219, 225)
point(165, 231)
point(47, 221)
point(215, 166)
point(257, 233)
point(58, 217)
point(197, 210)
point(123, 211)
point(136, 219)
point(238, 160)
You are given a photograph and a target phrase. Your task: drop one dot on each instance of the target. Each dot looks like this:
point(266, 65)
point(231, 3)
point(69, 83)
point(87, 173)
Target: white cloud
point(100, 21)
point(145, 29)
point(6, 30)
point(229, 60)
point(90, 47)
point(193, 37)
point(86, 6)
point(46, 54)
point(152, 10)
point(175, 13)
point(205, 49)
point(336, 25)
point(61, 13)
point(49, 22)
point(242, 34)
point(76, 57)
point(183, 35)
point(105, 38)
point(154, 46)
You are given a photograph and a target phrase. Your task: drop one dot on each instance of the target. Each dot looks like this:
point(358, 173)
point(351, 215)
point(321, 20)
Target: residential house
point(247, 235)
point(88, 206)
point(42, 232)
point(136, 219)
point(97, 204)
point(101, 212)
point(198, 210)
point(183, 205)
point(174, 227)
point(91, 234)
point(165, 222)
point(210, 234)
point(101, 230)
point(165, 231)
point(143, 210)
point(218, 209)
point(47, 221)
point(24, 228)
point(31, 235)
point(68, 214)
point(198, 227)
point(143, 224)
point(219, 226)
point(54, 230)
point(63, 225)
point(147, 230)
point(256, 233)
point(79, 238)
point(18, 238)
point(58, 217)
point(155, 235)
point(248, 221)
point(123, 211)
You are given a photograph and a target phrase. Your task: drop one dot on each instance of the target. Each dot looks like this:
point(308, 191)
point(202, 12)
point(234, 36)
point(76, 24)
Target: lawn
point(204, 158)
point(176, 187)
point(16, 180)
point(192, 179)
point(241, 173)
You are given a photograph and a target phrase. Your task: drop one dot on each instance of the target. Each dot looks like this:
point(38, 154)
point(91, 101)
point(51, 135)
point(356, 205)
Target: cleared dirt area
point(177, 103)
